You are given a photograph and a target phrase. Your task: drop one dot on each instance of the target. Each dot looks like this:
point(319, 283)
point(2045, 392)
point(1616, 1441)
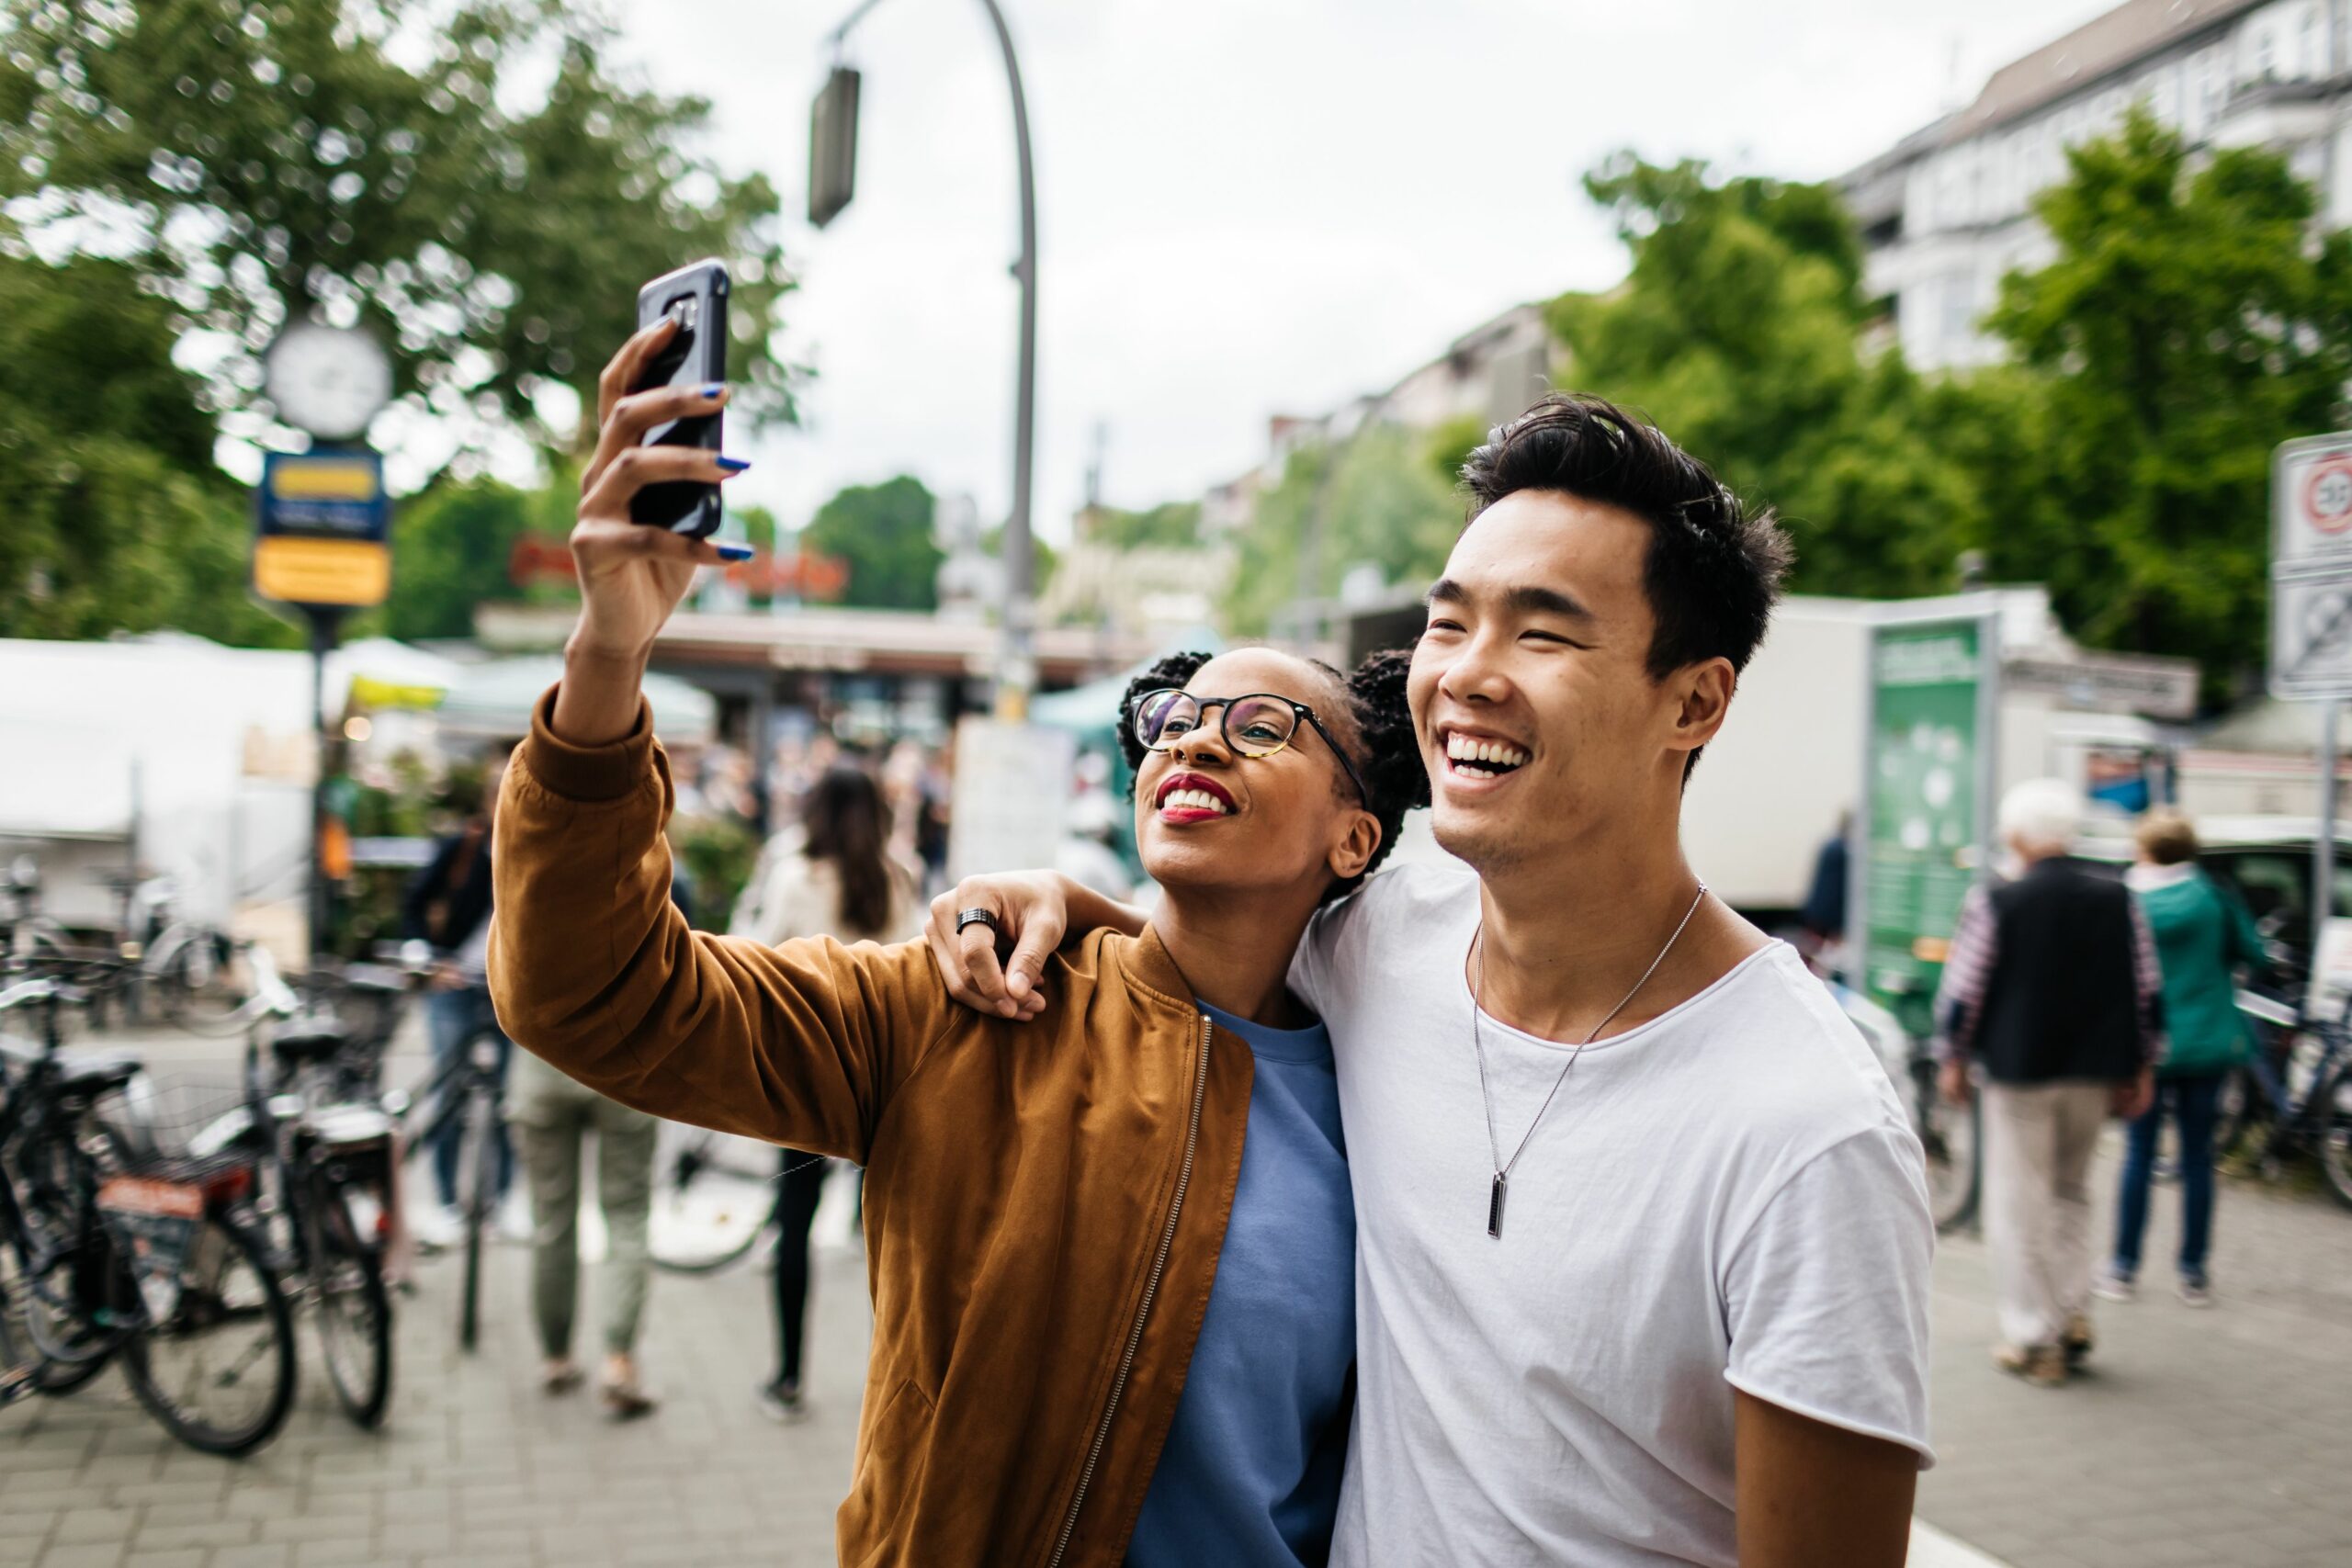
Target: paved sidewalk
point(2214, 1438)
point(2203, 1439)
point(476, 1466)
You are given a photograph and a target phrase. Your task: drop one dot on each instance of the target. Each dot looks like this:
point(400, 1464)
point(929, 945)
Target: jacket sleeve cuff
point(588, 775)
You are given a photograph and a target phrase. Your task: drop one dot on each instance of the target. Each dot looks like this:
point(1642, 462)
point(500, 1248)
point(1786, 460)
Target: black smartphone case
point(696, 356)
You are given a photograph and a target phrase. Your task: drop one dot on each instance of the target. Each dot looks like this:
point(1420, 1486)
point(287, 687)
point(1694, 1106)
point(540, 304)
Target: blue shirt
point(1250, 1477)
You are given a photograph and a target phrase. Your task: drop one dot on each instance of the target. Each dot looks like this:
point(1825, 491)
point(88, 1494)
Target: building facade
point(1946, 212)
point(1491, 373)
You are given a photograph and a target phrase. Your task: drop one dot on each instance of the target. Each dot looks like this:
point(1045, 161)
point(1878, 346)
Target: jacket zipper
point(1150, 1291)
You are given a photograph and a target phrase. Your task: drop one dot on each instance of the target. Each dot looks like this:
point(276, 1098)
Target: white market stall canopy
point(77, 719)
point(377, 672)
point(494, 701)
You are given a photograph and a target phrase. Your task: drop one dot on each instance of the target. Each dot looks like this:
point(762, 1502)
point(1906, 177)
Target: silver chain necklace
point(1485, 1097)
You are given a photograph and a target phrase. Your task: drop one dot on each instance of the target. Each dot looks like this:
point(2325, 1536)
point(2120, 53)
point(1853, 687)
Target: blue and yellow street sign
point(320, 523)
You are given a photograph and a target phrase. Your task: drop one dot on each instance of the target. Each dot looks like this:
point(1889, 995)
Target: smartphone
point(696, 356)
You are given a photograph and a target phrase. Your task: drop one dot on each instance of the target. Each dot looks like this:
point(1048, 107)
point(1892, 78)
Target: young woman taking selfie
point(1111, 1250)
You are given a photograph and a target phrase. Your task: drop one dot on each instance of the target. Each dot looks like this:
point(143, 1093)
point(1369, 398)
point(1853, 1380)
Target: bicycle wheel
point(193, 988)
point(713, 1196)
point(2332, 1132)
point(219, 1372)
point(63, 1268)
point(62, 1316)
point(1949, 1135)
point(355, 1312)
point(2242, 1111)
point(477, 1194)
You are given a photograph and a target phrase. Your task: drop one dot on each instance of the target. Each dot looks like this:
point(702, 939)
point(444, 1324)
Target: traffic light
point(832, 147)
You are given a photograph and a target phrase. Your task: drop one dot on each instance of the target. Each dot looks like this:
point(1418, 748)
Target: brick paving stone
point(259, 1555)
point(2200, 1438)
point(89, 1554)
point(88, 1524)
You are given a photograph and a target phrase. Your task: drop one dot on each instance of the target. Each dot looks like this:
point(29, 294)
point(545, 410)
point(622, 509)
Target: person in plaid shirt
point(2053, 990)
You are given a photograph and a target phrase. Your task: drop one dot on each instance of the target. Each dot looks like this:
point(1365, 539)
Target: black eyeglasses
point(1256, 726)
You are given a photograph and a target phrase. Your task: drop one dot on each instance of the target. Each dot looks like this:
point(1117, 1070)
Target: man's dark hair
point(1713, 568)
point(1377, 727)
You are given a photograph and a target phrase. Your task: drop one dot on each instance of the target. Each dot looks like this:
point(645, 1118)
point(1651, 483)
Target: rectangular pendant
point(1494, 1210)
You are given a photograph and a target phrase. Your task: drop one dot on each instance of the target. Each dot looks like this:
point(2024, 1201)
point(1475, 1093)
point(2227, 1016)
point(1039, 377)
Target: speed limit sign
point(2311, 497)
point(2327, 495)
point(2311, 568)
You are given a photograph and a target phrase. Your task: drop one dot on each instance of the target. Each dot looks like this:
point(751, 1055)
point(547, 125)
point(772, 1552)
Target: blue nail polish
point(734, 465)
point(735, 552)
point(713, 389)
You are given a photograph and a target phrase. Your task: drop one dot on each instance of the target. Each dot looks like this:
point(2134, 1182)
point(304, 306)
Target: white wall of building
point(1967, 216)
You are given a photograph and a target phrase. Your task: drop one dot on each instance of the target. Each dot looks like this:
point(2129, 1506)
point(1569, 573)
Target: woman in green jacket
point(2202, 935)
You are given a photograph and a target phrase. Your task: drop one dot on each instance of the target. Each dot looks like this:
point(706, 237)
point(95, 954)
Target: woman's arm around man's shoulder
point(594, 969)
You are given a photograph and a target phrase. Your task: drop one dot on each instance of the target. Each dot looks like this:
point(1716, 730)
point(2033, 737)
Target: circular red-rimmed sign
point(2327, 495)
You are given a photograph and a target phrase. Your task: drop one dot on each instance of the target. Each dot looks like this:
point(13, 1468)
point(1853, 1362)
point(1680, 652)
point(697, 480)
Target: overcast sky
point(1245, 206)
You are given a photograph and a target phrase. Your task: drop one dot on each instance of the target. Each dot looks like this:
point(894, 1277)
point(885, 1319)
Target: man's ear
point(1356, 846)
point(1703, 693)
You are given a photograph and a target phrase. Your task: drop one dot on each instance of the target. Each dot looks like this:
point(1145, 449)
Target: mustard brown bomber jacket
point(1044, 1203)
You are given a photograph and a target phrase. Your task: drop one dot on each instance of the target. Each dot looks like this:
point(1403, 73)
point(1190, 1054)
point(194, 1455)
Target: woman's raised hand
point(631, 576)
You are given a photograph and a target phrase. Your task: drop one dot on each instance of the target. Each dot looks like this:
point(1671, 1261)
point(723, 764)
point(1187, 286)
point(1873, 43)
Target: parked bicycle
point(112, 1250)
point(714, 1197)
point(32, 931)
point(462, 1098)
point(324, 1198)
point(2294, 1096)
point(1948, 1132)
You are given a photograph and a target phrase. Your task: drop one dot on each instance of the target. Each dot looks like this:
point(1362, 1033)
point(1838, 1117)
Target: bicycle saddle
point(308, 1039)
point(95, 1074)
point(379, 977)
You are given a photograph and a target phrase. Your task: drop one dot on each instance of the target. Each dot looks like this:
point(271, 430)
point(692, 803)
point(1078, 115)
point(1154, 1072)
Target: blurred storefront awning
point(382, 674)
point(1092, 711)
point(494, 701)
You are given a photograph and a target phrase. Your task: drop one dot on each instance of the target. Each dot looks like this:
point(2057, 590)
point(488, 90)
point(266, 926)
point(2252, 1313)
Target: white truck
point(1777, 783)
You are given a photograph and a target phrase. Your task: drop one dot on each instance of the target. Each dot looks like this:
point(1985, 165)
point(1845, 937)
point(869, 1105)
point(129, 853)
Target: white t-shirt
point(1728, 1196)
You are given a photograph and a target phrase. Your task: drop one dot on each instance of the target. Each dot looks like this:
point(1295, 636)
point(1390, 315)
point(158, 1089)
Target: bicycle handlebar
point(271, 993)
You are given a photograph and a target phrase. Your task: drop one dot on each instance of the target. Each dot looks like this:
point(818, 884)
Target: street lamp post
point(1016, 671)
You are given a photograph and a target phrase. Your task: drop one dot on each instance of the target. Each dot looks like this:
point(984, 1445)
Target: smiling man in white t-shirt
point(1643, 1235)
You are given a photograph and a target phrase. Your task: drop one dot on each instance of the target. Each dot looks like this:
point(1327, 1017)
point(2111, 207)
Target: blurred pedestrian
point(834, 876)
point(1824, 915)
point(447, 907)
point(1086, 854)
point(2052, 986)
point(2202, 934)
point(553, 1115)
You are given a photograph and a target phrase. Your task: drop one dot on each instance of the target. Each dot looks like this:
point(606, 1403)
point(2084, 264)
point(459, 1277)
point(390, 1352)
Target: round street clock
point(328, 381)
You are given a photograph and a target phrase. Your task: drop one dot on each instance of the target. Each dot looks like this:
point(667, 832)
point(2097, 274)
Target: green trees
point(1173, 523)
point(883, 533)
point(452, 549)
point(2189, 322)
point(112, 515)
point(380, 161)
point(1738, 329)
point(465, 176)
point(1384, 496)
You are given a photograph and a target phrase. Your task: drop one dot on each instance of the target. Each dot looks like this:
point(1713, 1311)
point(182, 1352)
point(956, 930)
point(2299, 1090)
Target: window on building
point(1959, 315)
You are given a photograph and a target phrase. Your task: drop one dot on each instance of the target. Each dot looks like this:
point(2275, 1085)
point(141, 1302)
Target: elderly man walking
point(2053, 988)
